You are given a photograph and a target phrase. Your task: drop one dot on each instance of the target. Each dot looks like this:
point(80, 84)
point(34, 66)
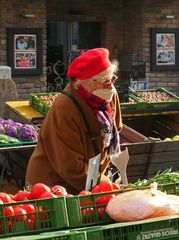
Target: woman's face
point(93, 84)
point(102, 87)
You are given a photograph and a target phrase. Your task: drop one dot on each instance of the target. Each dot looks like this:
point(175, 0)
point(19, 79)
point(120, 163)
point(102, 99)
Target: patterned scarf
point(103, 112)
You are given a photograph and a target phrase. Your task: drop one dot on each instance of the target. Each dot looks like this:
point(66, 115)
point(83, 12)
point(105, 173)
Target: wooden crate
point(138, 146)
point(129, 135)
point(147, 158)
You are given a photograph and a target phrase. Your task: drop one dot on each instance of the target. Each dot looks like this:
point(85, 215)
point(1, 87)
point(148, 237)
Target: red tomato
point(12, 197)
point(5, 197)
point(30, 224)
point(38, 189)
point(30, 210)
point(8, 211)
point(19, 214)
point(101, 212)
point(104, 199)
point(96, 189)
point(47, 195)
point(116, 187)
point(59, 190)
point(103, 187)
point(43, 214)
point(88, 215)
point(22, 195)
point(84, 192)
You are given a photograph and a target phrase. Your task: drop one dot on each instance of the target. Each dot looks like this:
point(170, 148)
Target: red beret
point(89, 63)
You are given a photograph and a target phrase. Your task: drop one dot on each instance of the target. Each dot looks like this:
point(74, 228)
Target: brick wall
point(139, 17)
point(11, 17)
point(125, 27)
point(167, 79)
point(108, 13)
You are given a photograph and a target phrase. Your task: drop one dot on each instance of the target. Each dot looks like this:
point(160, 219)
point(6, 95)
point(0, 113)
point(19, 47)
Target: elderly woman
point(64, 146)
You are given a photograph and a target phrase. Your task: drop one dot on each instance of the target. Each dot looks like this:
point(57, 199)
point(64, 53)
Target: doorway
point(65, 40)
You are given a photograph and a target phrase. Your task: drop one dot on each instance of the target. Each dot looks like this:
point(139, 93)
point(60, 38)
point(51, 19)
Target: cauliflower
point(27, 133)
point(18, 125)
point(11, 130)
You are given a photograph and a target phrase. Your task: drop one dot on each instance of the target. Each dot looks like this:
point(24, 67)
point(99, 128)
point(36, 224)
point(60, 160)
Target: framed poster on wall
point(164, 49)
point(25, 50)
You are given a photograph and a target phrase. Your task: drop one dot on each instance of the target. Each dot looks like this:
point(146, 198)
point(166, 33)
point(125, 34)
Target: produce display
point(151, 100)
point(31, 211)
point(131, 101)
point(162, 178)
point(48, 99)
point(41, 208)
point(42, 101)
point(175, 138)
point(156, 97)
point(15, 132)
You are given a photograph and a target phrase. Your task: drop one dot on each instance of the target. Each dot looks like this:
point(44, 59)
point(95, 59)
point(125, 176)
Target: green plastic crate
point(64, 235)
point(19, 143)
point(56, 235)
point(51, 214)
point(39, 105)
point(164, 228)
point(171, 188)
point(87, 210)
point(132, 108)
point(163, 105)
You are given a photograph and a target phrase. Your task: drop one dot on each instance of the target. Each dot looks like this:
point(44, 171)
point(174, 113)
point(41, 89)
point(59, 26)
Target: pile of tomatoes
point(21, 207)
point(96, 200)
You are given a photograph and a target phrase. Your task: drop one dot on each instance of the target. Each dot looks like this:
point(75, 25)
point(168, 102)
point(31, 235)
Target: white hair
point(104, 74)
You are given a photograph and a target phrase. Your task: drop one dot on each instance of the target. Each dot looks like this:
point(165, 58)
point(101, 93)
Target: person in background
point(64, 148)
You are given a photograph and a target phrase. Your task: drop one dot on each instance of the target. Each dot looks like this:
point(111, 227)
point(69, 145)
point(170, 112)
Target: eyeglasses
point(112, 80)
point(104, 81)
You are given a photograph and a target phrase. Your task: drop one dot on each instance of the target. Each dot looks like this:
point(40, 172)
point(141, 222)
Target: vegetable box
point(147, 158)
point(164, 228)
point(42, 101)
point(158, 100)
point(134, 104)
point(50, 214)
point(53, 235)
point(88, 210)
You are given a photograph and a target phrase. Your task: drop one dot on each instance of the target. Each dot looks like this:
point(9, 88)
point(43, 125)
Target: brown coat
point(63, 149)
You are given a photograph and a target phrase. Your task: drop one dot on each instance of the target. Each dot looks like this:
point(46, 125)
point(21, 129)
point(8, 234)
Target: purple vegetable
point(2, 120)
point(29, 126)
point(18, 125)
point(26, 133)
point(9, 121)
point(11, 130)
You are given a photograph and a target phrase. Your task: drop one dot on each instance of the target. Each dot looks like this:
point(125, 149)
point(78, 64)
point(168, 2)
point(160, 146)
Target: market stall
point(85, 216)
point(17, 141)
point(15, 159)
point(22, 111)
point(147, 126)
point(158, 121)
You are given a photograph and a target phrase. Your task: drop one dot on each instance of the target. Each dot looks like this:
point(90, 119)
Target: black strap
point(92, 138)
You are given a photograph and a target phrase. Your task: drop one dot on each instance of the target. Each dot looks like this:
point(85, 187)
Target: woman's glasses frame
point(105, 80)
